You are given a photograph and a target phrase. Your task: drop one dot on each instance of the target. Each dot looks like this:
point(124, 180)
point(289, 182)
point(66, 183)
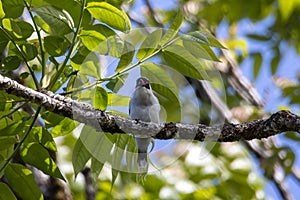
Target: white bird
point(143, 106)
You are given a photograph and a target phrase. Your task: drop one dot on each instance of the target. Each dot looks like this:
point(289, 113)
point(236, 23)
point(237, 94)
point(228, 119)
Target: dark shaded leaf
point(6, 193)
point(56, 46)
point(13, 8)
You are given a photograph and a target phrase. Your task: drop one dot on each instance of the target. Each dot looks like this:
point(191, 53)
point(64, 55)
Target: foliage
point(64, 46)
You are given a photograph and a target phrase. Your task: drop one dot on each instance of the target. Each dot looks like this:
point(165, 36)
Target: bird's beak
point(146, 85)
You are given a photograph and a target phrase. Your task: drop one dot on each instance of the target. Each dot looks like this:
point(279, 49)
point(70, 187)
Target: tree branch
point(104, 122)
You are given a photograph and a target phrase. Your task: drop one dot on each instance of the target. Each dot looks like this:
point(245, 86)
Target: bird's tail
point(142, 159)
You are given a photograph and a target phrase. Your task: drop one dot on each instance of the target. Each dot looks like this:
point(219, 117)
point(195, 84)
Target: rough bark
point(104, 122)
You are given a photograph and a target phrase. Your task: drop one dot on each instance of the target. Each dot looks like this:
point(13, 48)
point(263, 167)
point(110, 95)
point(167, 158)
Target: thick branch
point(103, 122)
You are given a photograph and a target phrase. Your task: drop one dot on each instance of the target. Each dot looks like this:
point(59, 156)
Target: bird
point(143, 106)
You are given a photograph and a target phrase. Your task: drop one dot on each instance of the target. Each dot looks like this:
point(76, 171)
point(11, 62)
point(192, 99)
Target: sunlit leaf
point(199, 50)
point(126, 57)
point(173, 30)
point(59, 21)
point(94, 41)
point(64, 126)
point(37, 156)
point(157, 74)
point(286, 8)
point(100, 98)
point(29, 51)
point(2, 14)
point(117, 100)
point(150, 44)
point(181, 60)
point(21, 179)
point(110, 15)
point(86, 62)
point(42, 136)
point(19, 29)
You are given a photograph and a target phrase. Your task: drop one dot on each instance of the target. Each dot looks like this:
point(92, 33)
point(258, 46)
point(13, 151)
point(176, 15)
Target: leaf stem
point(2, 167)
point(14, 110)
point(24, 58)
point(63, 65)
point(42, 61)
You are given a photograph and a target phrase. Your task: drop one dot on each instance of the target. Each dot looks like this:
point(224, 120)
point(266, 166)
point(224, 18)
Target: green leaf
point(37, 156)
point(42, 136)
point(117, 100)
point(257, 64)
point(110, 15)
point(19, 29)
point(59, 21)
point(258, 37)
point(13, 8)
point(150, 44)
point(196, 36)
point(126, 57)
point(118, 152)
point(117, 83)
point(10, 63)
point(96, 168)
point(2, 14)
point(80, 156)
point(4, 40)
point(164, 88)
point(94, 41)
point(199, 50)
point(181, 60)
point(173, 30)
point(86, 62)
point(6, 193)
point(21, 179)
point(100, 98)
point(7, 142)
point(286, 8)
point(41, 23)
point(115, 46)
point(56, 46)
point(9, 127)
point(99, 145)
point(203, 37)
point(157, 74)
point(65, 126)
point(29, 51)
point(168, 101)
